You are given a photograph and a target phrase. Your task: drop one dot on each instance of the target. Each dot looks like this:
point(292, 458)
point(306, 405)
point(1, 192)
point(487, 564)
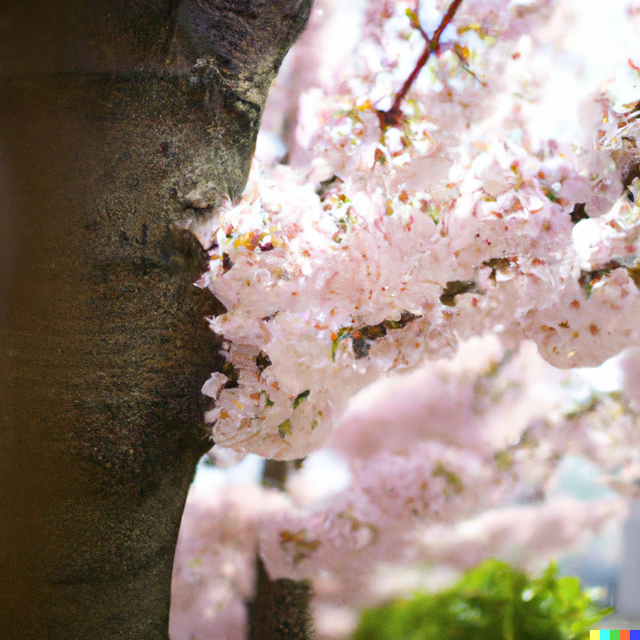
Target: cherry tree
point(409, 278)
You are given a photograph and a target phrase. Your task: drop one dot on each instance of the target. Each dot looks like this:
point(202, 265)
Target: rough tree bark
point(280, 609)
point(113, 114)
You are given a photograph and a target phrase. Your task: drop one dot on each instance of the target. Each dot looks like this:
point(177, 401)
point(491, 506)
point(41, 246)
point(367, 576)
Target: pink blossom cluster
point(214, 567)
point(522, 535)
point(372, 520)
point(415, 295)
point(397, 243)
point(429, 483)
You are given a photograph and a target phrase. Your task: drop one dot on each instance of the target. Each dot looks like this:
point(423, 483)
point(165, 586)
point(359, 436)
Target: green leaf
point(450, 478)
point(415, 21)
point(269, 402)
point(300, 397)
point(285, 428)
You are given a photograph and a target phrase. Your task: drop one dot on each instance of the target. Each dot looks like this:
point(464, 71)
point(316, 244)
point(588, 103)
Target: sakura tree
point(411, 275)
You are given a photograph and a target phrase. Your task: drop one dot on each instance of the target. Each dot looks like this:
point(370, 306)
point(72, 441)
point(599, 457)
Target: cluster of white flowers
point(414, 291)
point(397, 243)
point(522, 535)
point(427, 453)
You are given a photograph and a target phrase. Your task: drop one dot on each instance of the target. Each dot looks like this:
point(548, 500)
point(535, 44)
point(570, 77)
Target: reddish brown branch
point(444, 23)
point(392, 117)
point(415, 21)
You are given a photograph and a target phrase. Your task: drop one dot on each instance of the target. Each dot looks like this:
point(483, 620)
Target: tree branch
point(392, 117)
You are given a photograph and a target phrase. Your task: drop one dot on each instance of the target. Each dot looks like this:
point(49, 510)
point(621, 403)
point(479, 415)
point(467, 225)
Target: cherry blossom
point(413, 289)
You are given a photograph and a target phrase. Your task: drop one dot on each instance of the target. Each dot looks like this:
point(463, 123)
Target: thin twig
point(465, 66)
point(392, 117)
point(418, 25)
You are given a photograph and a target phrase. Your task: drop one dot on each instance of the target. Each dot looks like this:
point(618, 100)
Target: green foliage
point(285, 428)
point(300, 397)
point(494, 601)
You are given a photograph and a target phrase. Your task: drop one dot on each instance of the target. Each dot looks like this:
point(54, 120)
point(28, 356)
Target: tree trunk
point(107, 124)
point(280, 609)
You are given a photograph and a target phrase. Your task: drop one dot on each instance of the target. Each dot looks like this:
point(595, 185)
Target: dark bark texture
point(111, 111)
point(280, 609)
